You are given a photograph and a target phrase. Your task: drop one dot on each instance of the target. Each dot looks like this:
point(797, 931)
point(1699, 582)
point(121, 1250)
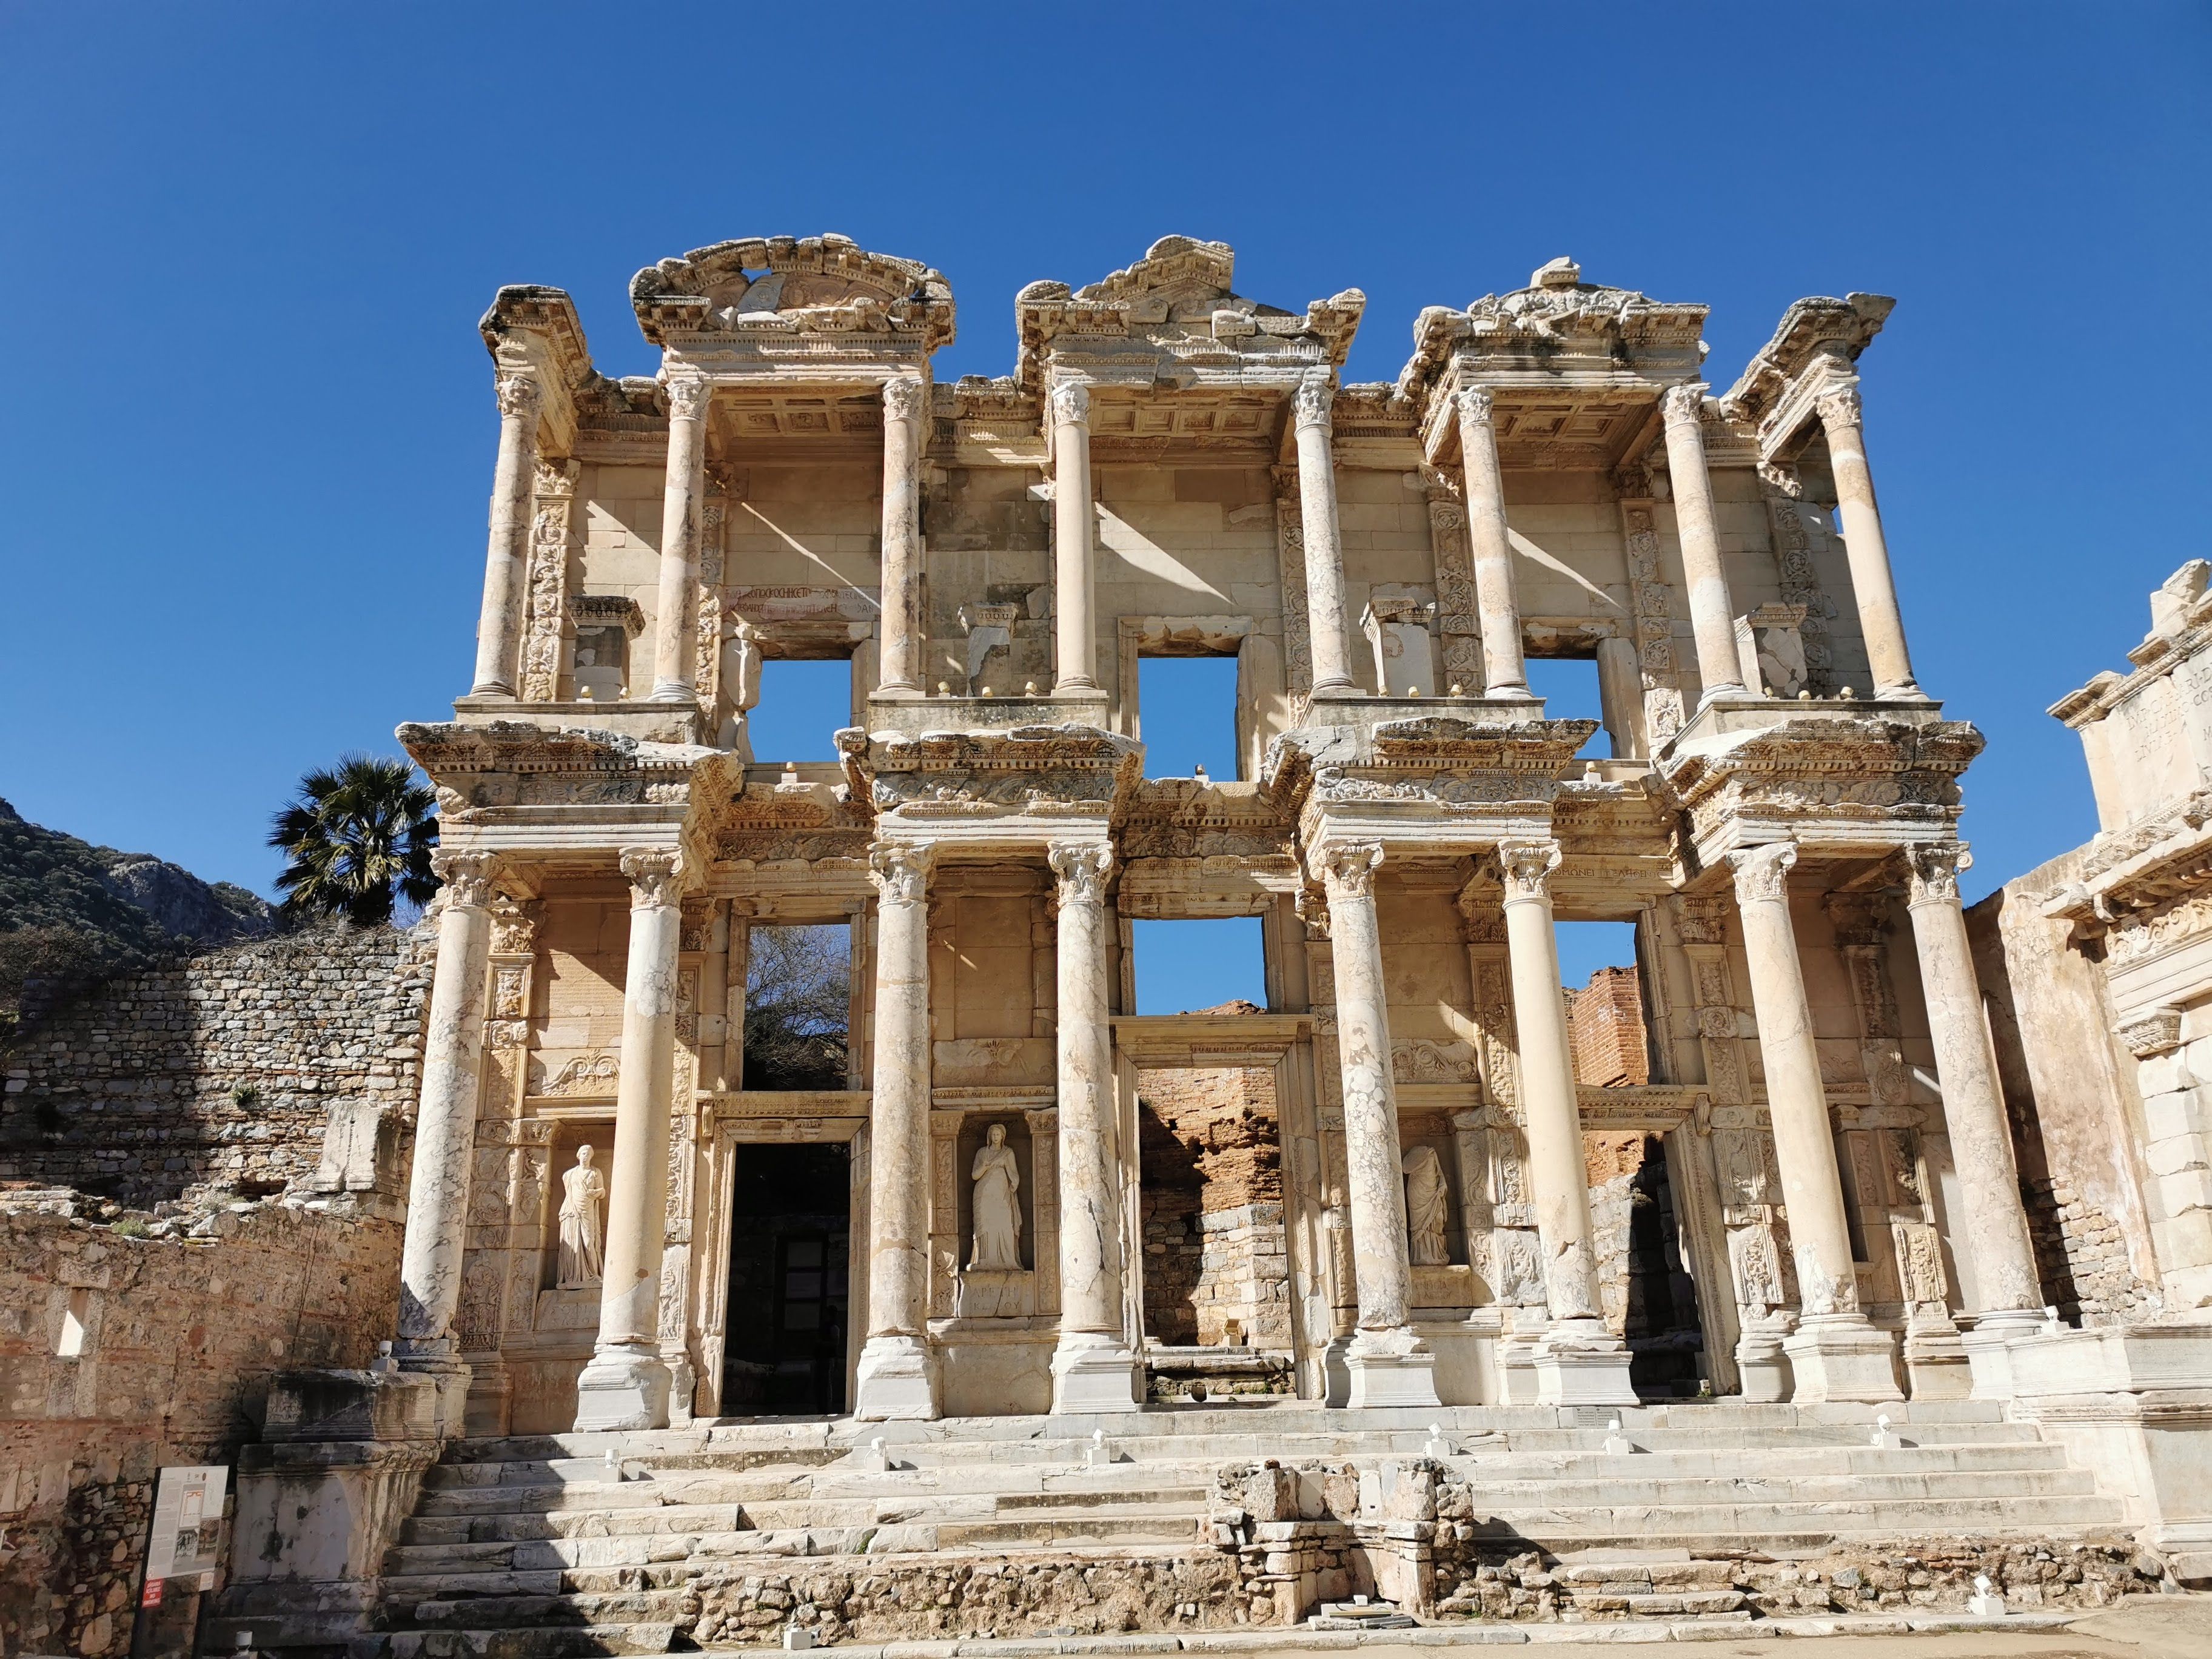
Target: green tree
point(358, 838)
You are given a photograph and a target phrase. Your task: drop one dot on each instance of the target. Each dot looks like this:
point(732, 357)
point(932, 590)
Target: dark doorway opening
point(790, 1227)
point(1664, 1332)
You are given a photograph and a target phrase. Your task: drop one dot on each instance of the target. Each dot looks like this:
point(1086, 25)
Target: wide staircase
point(575, 1544)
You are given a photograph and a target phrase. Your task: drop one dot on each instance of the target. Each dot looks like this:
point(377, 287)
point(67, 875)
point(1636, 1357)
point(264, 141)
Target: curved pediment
point(824, 284)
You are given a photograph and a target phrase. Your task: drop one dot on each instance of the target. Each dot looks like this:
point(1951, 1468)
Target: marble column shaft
point(905, 406)
point(1505, 672)
point(1804, 1140)
point(446, 1120)
point(506, 560)
point(1374, 1175)
point(1327, 638)
point(1557, 1174)
point(637, 1185)
point(1882, 624)
point(1712, 614)
point(674, 618)
point(1074, 644)
point(2004, 1256)
point(1090, 1160)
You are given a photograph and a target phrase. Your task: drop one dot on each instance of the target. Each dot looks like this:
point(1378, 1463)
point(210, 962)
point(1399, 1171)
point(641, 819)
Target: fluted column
point(1389, 1363)
point(899, 672)
point(626, 1383)
point(897, 1373)
point(1578, 1362)
point(499, 625)
point(1310, 408)
point(675, 623)
point(1880, 623)
point(1075, 644)
point(1834, 1353)
point(1505, 674)
point(2007, 1293)
point(445, 1130)
point(1093, 1369)
point(1712, 616)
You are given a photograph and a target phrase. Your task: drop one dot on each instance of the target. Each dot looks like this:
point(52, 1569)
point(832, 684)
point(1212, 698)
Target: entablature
point(1811, 354)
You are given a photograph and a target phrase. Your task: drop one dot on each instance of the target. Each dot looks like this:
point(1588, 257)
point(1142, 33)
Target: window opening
point(1605, 1003)
point(1186, 714)
point(799, 1007)
point(1569, 687)
point(76, 1315)
point(802, 704)
point(1189, 967)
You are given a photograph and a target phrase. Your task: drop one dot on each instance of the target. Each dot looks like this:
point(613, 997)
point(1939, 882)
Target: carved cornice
point(1037, 773)
point(507, 763)
point(766, 288)
point(1824, 774)
point(1812, 350)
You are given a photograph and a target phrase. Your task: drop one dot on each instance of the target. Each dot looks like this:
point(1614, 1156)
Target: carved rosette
point(1684, 405)
point(1839, 408)
point(1525, 867)
point(1931, 874)
point(687, 398)
point(1069, 403)
point(465, 878)
point(1762, 873)
point(1082, 867)
point(1313, 403)
point(551, 547)
point(1347, 869)
point(904, 397)
point(517, 396)
point(656, 876)
point(900, 870)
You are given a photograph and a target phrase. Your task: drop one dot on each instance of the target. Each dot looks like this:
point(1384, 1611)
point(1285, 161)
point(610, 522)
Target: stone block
point(2186, 1190)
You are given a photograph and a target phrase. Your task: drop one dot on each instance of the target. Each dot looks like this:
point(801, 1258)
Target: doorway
point(790, 1234)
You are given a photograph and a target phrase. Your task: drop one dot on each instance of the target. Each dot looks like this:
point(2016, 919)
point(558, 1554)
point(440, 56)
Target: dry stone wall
point(222, 1069)
point(122, 1353)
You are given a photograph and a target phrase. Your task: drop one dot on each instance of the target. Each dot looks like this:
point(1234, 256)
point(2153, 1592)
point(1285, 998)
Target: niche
point(990, 1293)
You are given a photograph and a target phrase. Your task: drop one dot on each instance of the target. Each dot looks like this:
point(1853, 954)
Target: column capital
point(1070, 401)
point(1314, 402)
point(687, 398)
point(1685, 404)
point(1839, 406)
point(518, 395)
point(1763, 872)
point(466, 879)
point(1346, 868)
point(900, 870)
point(656, 876)
point(1082, 867)
point(1931, 874)
point(904, 396)
point(1474, 405)
point(1525, 867)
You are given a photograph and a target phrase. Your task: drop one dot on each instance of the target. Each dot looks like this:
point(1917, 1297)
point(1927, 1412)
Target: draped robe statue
point(1426, 1204)
point(583, 1206)
point(997, 1216)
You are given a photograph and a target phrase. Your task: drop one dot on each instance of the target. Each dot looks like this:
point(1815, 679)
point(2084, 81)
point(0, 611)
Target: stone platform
point(722, 1534)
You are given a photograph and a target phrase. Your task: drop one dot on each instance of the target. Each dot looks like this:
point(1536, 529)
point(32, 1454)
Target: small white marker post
point(1985, 1602)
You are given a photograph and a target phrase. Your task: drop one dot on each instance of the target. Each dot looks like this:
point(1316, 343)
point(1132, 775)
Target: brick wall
point(1605, 1022)
point(180, 1335)
point(222, 1069)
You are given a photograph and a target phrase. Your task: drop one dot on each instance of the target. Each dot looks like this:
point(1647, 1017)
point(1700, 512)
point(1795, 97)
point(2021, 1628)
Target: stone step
point(1629, 1485)
point(1911, 1517)
point(542, 1642)
point(530, 1609)
point(570, 1524)
point(1043, 1533)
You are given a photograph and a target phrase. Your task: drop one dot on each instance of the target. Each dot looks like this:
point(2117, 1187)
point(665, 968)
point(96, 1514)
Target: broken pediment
point(824, 284)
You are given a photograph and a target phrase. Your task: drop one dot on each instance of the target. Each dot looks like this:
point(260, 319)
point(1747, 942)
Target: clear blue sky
point(249, 441)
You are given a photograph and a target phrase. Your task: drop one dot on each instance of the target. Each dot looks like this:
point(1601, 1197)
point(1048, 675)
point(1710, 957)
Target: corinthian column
point(1389, 1362)
point(897, 1373)
point(2007, 1295)
point(675, 623)
point(1578, 1362)
point(1880, 623)
point(499, 625)
point(1712, 617)
point(900, 672)
point(1834, 1353)
point(1074, 643)
point(1310, 406)
point(625, 1385)
point(1093, 1369)
point(445, 1130)
point(1503, 673)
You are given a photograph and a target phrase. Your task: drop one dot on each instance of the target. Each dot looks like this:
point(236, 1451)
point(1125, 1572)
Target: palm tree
point(358, 838)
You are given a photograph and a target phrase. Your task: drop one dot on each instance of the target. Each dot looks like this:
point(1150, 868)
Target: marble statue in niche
point(998, 1215)
point(583, 1210)
point(1427, 1205)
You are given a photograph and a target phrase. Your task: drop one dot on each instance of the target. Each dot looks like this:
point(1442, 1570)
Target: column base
point(449, 1376)
point(1578, 1366)
point(896, 1381)
point(1935, 1366)
point(1764, 1368)
point(1391, 1367)
point(1336, 1375)
point(623, 1388)
point(1092, 1373)
point(1841, 1357)
point(1988, 1351)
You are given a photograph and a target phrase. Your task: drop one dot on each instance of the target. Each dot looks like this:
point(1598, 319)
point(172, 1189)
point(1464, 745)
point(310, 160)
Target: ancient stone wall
point(122, 1353)
point(220, 1069)
point(1605, 1022)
